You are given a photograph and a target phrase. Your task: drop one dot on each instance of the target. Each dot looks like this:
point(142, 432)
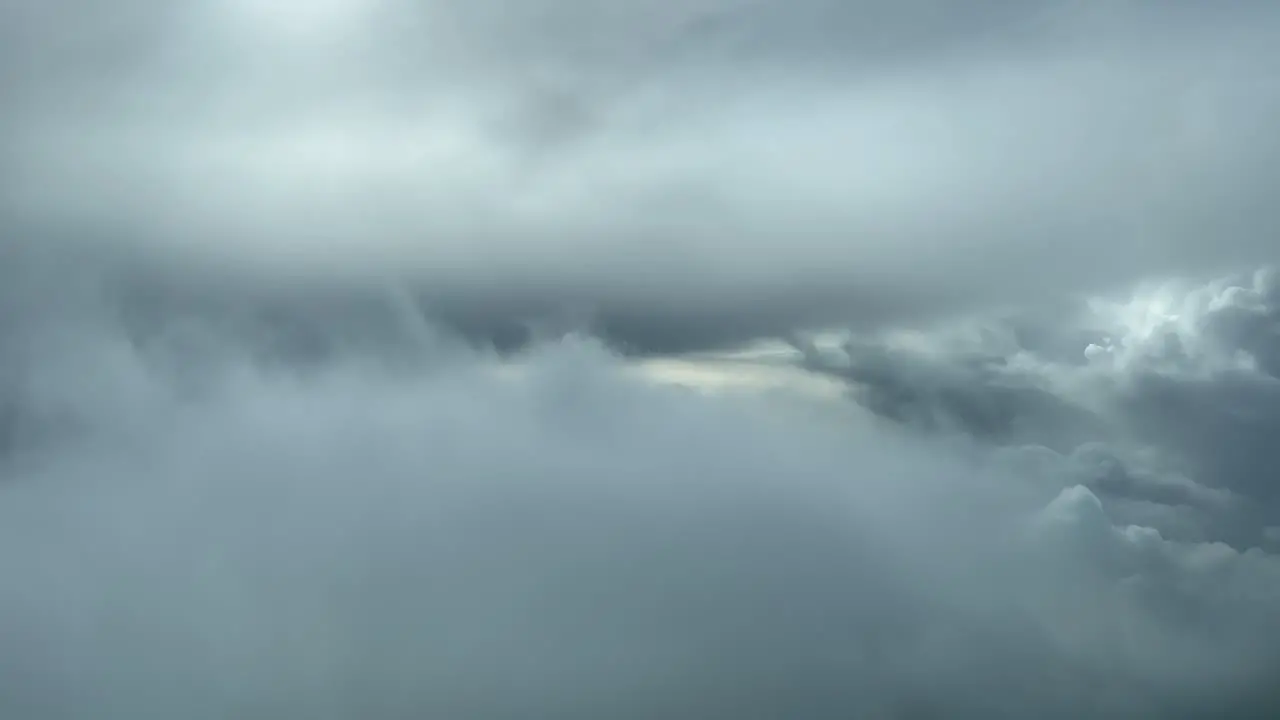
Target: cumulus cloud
point(1169, 401)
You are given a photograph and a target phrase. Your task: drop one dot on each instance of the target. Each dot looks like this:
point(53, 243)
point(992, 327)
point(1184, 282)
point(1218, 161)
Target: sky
point(721, 358)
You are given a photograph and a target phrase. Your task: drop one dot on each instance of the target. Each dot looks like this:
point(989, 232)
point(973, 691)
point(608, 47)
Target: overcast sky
point(342, 346)
point(720, 167)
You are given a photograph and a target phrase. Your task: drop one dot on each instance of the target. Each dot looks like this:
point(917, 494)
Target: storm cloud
point(393, 529)
point(342, 344)
point(1170, 398)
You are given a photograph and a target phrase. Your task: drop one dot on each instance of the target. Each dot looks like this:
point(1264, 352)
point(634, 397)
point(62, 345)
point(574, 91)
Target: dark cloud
point(296, 417)
point(396, 528)
point(971, 392)
point(1174, 403)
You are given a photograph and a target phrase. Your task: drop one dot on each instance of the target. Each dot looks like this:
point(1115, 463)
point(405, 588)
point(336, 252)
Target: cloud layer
point(690, 174)
point(200, 520)
point(337, 340)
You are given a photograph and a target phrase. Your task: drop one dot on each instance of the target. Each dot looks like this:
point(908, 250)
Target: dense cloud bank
point(328, 332)
point(692, 173)
point(200, 520)
point(1166, 403)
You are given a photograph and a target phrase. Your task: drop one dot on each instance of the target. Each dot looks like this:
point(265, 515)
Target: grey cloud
point(974, 393)
point(1172, 403)
point(454, 533)
point(700, 173)
point(294, 419)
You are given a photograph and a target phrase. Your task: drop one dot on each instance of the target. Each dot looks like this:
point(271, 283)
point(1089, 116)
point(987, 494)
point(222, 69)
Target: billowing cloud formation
point(688, 174)
point(1170, 400)
point(200, 520)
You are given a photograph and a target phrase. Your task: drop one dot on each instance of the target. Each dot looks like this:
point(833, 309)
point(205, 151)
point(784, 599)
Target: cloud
point(1170, 399)
point(691, 175)
point(329, 334)
point(398, 528)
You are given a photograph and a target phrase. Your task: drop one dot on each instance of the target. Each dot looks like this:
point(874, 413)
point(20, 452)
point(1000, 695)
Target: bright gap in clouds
point(762, 366)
